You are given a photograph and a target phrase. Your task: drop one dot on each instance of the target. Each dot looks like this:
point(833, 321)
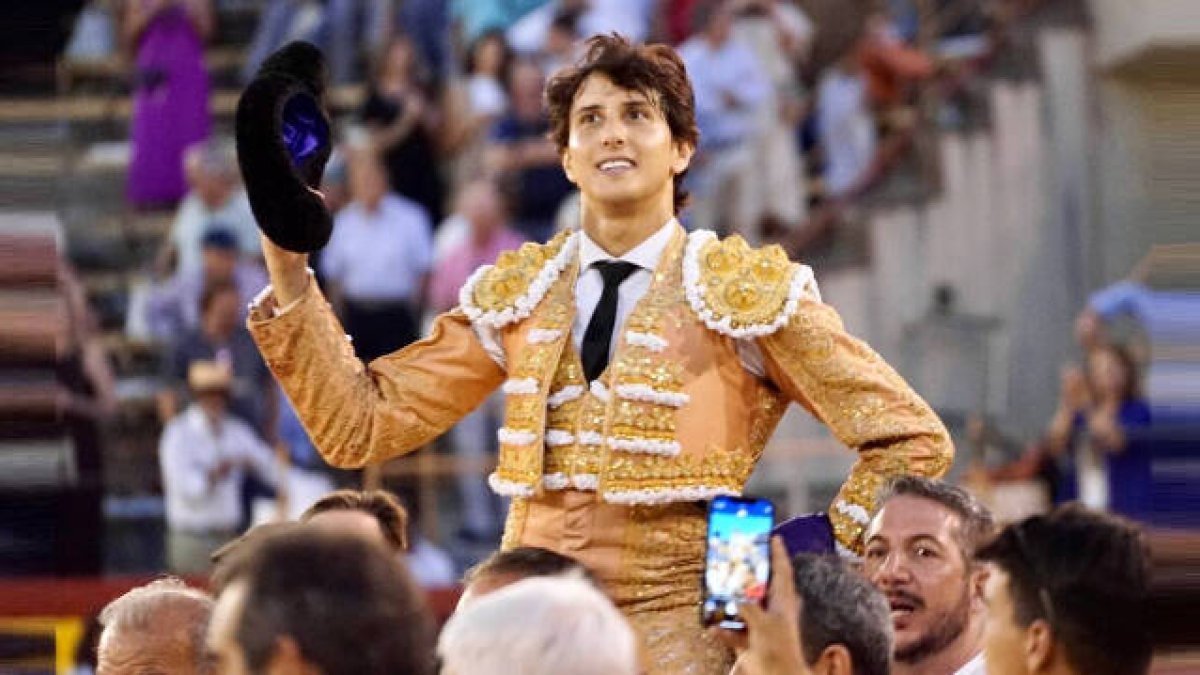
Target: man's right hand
point(288, 270)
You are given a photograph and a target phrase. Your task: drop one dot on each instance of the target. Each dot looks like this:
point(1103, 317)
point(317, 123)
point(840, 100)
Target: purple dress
point(170, 108)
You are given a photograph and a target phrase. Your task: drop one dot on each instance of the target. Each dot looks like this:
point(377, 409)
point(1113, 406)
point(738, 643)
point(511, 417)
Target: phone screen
point(738, 563)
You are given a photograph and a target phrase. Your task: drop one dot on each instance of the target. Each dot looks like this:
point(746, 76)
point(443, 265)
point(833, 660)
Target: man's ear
point(683, 157)
point(564, 157)
point(978, 584)
point(288, 660)
point(1039, 647)
point(834, 660)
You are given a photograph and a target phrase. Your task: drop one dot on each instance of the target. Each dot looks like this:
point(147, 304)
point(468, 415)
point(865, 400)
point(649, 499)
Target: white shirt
point(193, 219)
point(976, 666)
point(189, 451)
point(646, 255)
point(846, 127)
point(729, 70)
point(430, 566)
point(486, 96)
point(380, 255)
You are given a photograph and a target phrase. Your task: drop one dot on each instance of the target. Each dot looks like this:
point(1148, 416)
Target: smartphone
point(737, 564)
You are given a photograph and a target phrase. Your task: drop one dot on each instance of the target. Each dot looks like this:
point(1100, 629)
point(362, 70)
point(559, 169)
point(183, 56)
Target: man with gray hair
point(215, 196)
point(821, 618)
point(539, 626)
point(845, 627)
point(156, 628)
point(920, 548)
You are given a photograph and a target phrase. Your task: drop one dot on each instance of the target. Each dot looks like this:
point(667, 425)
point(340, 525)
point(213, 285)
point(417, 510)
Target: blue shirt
point(379, 255)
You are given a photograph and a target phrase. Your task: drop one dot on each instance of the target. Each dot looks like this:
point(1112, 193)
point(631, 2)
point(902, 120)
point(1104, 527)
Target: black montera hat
point(283, 143)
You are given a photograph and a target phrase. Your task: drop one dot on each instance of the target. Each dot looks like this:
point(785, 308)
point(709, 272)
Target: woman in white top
point(474, 102)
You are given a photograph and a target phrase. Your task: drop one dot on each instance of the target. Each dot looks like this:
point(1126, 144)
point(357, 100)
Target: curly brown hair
point(654, 70)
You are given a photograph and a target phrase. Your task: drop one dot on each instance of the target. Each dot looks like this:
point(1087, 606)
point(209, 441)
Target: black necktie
point(599, 330)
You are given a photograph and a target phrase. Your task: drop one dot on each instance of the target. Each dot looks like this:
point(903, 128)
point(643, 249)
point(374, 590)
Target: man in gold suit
point(645, 367)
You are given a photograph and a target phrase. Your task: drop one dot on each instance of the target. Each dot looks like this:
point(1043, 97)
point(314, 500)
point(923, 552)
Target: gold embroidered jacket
point(676, 416)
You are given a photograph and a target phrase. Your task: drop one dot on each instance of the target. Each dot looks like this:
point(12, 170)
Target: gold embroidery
point(514, 271)
point(747, 286)
point(514, 524)
point(673, 643)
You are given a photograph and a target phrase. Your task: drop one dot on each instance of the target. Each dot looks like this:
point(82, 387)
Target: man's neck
point(948, 661)
point(618, 230)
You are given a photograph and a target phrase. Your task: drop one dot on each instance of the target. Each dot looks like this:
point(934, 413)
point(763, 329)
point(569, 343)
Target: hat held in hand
point(283, 143)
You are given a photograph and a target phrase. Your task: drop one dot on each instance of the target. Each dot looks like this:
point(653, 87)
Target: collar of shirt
point(645, 255)
point(976, 666)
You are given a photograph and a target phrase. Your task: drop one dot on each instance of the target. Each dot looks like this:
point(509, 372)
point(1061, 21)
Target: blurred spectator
point(216, 197)
point(354, 29)
point(204, 454)
point(919, 552)
point(170, 107)
point(173, 308)
point(539, 626)
point(281, 22)
point(476, 17)
point(428, 22)
point(1067, 593)
point(306, 600)
point(341, 28)
point(474, 103)
point(506, 567)
point(485, 235)
point(631, 18)
point(377, 262)
point(474, 437)
point(403, 125)
point(156, 628)
point(889, 66)
point(845, 128)
point(562, 43)
point(85, 375)
point(731, 89)
point(779, 34)
point(525, 159)
point(94, 35)
point(429, 564)
point(1090, 429)
point(221, 337)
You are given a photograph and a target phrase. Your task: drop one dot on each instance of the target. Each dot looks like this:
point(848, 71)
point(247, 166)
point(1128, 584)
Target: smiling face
point(913, 556)
point(620, 151)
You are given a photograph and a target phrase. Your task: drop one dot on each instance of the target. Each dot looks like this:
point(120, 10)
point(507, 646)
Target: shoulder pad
point(740, 291)
point(506, 292)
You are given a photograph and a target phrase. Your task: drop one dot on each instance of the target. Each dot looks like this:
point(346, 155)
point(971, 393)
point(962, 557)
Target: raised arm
point(358, 414)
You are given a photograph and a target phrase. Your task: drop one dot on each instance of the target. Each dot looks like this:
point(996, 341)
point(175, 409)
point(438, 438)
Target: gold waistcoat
point(675, 417)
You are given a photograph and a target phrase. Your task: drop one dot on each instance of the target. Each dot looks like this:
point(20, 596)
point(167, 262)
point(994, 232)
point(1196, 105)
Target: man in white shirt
point(731, 87)
point(920, 549)
point(378, 260)
point(215, 196)
point(204, 454)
